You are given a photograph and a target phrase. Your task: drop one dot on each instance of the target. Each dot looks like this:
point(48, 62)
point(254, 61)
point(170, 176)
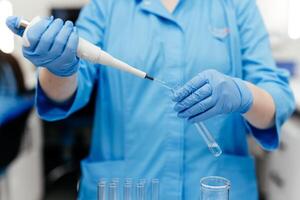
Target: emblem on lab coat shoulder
point(219, 33)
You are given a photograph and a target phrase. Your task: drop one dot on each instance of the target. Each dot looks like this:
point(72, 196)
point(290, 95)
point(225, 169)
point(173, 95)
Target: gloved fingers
point(190, 87)
point(198, 108)
point(27, 52)
point(197, 96)
point(71, 47)
point(205, 115)
point(48, 37)
point(68, 60)
point(62, 38)
point(35, 32)
point(35, 59)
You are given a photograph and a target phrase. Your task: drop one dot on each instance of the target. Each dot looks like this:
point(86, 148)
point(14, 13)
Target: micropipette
point(89, 51)
point(211, 143)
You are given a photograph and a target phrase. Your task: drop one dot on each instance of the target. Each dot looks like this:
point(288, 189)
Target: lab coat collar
point(139, 1)
point(155, 7)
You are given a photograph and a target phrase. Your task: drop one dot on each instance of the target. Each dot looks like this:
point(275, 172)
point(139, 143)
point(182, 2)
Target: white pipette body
point(90, 52)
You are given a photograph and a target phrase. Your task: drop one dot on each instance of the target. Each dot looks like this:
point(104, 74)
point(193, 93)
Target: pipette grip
point(95, 54)
point(209, 139)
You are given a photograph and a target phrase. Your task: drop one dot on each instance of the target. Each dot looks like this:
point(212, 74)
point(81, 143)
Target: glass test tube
point(117, 182)
point(112, 191)
point(154, 189)
point(214, 187)
point(202, 130)
point(127, 189)
point(102, 190)
point(140, 189)
point(210, 141)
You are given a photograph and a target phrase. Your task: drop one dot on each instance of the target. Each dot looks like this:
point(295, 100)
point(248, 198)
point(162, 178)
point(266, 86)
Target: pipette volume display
point(211, 143)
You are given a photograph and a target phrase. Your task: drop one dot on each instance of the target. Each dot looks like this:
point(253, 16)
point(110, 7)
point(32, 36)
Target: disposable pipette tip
point(164, 84)
point(149, 77)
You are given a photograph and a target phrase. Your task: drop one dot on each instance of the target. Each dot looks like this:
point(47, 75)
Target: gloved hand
point(211, 93)
point(53, 45)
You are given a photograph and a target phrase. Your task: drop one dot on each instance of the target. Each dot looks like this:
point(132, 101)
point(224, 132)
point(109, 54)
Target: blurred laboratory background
point(41, 160)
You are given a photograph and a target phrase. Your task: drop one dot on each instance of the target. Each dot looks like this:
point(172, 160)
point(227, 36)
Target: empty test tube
point(102, 190)
point(154, 189)
point(140, 189)
point(112, 191)
point(117, 182)
point(127, 189)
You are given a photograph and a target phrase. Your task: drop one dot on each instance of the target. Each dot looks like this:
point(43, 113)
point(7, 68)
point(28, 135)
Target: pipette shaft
point(91, 52)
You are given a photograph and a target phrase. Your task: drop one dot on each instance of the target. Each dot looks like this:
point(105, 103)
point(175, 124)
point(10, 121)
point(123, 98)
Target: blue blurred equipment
point(211, 93)
point(16, 104)
point(289, 65)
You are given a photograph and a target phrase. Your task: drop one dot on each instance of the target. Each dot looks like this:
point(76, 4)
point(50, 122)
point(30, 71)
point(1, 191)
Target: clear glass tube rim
point(155, 180)
point(102, 183)
point(112, 185)
point(103, 180)
point(128, 180)
point(226, 183)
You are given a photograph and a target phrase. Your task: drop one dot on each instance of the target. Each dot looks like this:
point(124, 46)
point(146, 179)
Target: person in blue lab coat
point(217, 50)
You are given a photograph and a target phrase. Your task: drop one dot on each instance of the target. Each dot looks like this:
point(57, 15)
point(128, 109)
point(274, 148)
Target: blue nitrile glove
point(53, 44)
point(211, 93)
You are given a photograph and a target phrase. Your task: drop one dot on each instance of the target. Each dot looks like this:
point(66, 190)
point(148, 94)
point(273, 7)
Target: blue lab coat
point(136, 131)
